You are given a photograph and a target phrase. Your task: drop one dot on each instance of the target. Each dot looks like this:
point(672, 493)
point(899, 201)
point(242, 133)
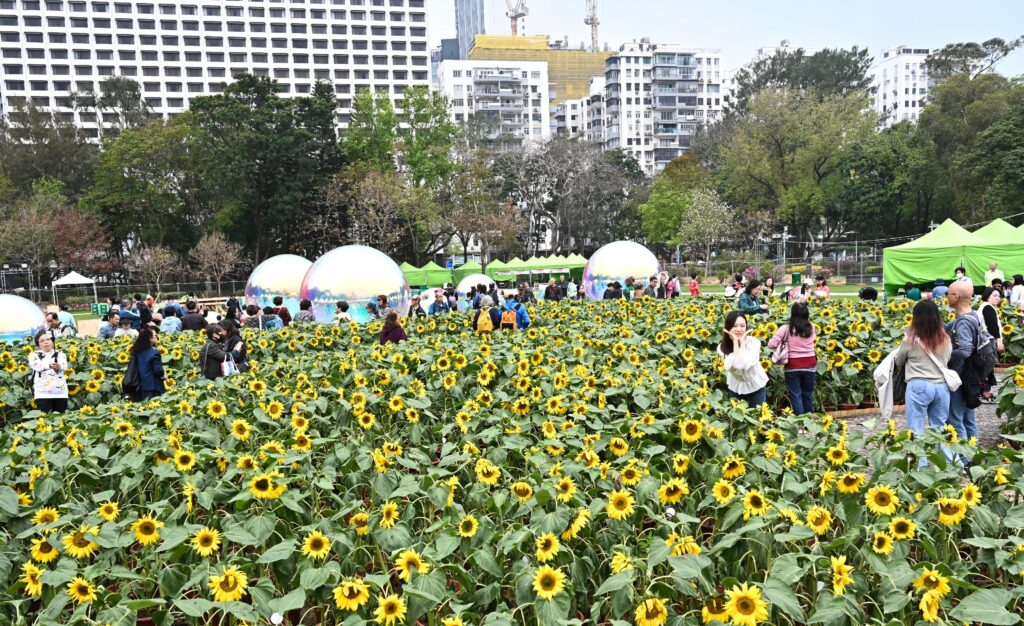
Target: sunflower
point(522, 491)
point(44, 516)
point(931, 580)
point(351, 594)
point(216, 409)
point(618, 446)
point(263, 487)
point(455, 620)
point(43, 551)
point(754, 504)
point(81, 590)
point(78, 544)
point(184, 460)
point(390, 609)
point(691, 430)
point(951, 510)
point(901, 528)
point(745, 606)
point(620, 505)
point(882, 500)
point(837, 455)
point(229, 585)
point(147, 530)
point(819, 520)
point(673, 491)
point(408, 561)
point(240, 430)
point(882, 543)
point(851, 482)
point(316, 545)
point(631, 476)
point(929, 606)
point(468, 526)
point(548, 582)
point(487, 472)
point(361, 522)
point(109, 511)
point(206, 541)
point(388, 515)
point(733, 467)
point(680, 463)
point(275, 409)
point(621, 563)
point(999, 476)
point(714, 611)
point(578, 524)
point(547, 547)
point(651, 612)
point(566, 489)
point(840, 575)
point(971, 495)
point(32, 577)
point(723, 491)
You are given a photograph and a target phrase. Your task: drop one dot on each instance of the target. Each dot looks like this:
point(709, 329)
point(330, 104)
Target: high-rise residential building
point(570, 70)
point(507, 102)
point(469, 22)
point(901, 83)
point(656, 97)
point(570, 118)
point(181, 50)
point(594, 130)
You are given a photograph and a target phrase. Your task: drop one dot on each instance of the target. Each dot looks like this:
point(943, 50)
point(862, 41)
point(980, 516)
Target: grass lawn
point(84, 315)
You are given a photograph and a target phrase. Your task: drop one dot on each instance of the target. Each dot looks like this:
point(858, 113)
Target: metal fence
point(81, 296)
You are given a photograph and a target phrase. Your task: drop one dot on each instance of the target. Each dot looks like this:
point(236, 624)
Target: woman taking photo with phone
point(744, 376)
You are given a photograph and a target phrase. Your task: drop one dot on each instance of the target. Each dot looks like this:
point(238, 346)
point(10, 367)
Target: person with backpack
point(968, 360)
point(794, 350)
point(48, 367)
point(281, 311)
point(305, 314)
point(487, 318)
point(57, 328)
point(148, 366)
point(514, 315)
point(271, 319)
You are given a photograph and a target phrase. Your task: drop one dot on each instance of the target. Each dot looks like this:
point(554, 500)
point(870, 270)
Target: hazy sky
point(740, 27)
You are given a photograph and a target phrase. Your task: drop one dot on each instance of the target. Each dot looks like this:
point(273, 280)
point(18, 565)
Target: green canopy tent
point(437, 276)
point(512, 269)
point(576, 264)
point(464, 270)
point(931, 256)
point(998, 242)
point(414, 275)
point(494, 269)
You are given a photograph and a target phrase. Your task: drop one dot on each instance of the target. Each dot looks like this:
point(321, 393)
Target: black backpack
point(130, 383)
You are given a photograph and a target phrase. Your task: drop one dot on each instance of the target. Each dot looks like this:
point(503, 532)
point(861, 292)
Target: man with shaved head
point(964, 332)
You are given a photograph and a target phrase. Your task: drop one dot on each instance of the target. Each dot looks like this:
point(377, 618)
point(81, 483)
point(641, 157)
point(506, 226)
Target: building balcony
point(480, 77)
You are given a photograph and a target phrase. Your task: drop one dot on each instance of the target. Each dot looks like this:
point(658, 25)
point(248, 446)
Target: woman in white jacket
point(49, 385)
point(744, 376)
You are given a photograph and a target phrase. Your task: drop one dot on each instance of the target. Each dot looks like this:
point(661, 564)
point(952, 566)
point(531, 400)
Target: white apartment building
point(570, 118)
point(469, 22)
point(511, 99)
point(656, 96)
point(594, 127)
point(901, 84)
point(583, 117)
point(178, 50)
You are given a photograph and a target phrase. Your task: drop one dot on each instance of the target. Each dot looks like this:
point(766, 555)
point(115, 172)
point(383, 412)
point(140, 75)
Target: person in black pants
point(988, 312)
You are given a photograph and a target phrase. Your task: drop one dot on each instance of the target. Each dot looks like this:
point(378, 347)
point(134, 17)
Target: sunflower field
point(589, 470)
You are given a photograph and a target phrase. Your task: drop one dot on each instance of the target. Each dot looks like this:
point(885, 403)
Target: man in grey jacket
point(962, 331)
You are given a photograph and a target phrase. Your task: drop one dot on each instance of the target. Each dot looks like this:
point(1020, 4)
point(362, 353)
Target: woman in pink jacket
point(801, 362)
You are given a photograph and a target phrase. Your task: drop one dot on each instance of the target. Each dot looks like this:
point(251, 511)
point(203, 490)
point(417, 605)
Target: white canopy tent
point(73, 278)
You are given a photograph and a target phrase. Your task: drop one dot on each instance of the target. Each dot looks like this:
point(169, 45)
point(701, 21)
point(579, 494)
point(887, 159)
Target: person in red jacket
point(392, 331)
point(282, 311)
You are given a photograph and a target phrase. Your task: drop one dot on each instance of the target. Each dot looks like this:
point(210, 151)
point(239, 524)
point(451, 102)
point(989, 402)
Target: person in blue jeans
point(963, 331)
point(797, 339)
point(924, 353)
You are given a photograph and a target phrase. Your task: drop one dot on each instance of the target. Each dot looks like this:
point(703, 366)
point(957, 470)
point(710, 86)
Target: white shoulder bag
point(952, 379)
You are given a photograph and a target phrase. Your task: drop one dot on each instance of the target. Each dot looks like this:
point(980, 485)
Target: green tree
point(372, 131)
point(969, 58)
point(662, 214)
point(783, 158)
point(705, 219)
point(36, 143)
point(118, 105)
point(426, 136)
point(997, 158)
point(828, 72)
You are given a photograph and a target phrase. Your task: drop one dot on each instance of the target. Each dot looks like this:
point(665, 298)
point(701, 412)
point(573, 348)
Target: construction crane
point(592, 21)
point(516, 11)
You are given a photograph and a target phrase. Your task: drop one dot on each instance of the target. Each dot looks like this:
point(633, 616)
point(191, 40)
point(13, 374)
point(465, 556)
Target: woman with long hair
point(235, 344)
point(392, 331)
point(797, 340)
point(924, 353)
point(741, 353)
point(749, 302)
point(150, 367)
point(988, 315)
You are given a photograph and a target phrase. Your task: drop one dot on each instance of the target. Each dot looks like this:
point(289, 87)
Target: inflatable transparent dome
point(473, 280)
point(617, 261)
point(19, 318)
point(356, 274)
point(279, 275)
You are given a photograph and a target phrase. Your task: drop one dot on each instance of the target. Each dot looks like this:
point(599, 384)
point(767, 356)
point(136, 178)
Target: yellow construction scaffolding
point(569, 71)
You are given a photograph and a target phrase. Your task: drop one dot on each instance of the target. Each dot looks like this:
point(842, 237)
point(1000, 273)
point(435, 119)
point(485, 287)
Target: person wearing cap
point(415, 309)
point(440, 304)
point(993, 273)
point(940, 289)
